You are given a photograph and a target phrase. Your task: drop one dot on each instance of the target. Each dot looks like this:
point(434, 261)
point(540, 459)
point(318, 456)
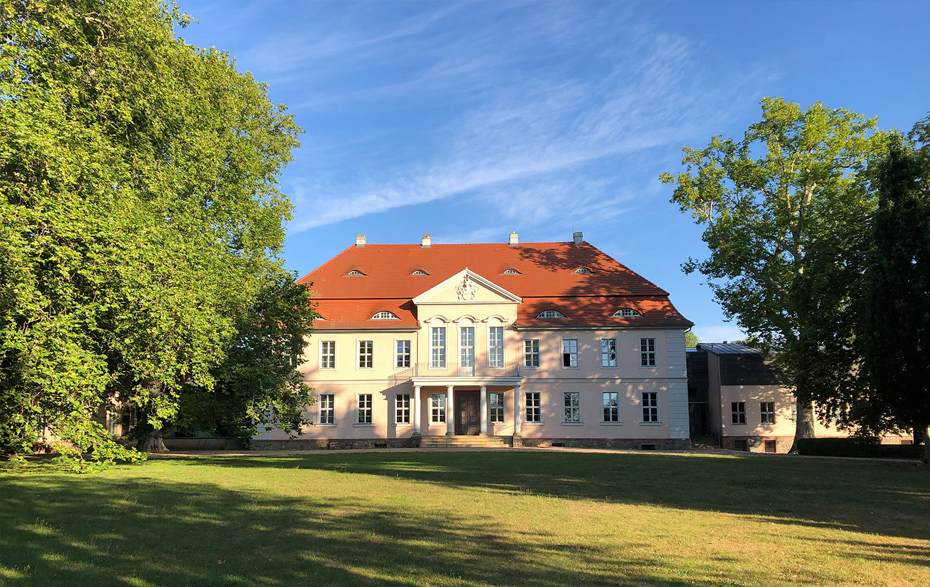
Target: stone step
point(466, 441)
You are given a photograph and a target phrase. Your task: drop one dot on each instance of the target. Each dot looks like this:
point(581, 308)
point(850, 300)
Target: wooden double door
point(467, 412)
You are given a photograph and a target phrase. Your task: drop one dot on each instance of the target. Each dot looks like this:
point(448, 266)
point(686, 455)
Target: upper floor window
point(419, 272)
point(647, 352)
point(467, 346)
point(626, 313)
point(328, 354)
point(437, 355)
point(402, 354)
point(355, 273)
point(551, 314)
point(608, 352)
point(570, 352)
point(385, 315)
point(366, 354)
point(511, 272)
point(496, 346)
point(583, 271)
point(531, 353)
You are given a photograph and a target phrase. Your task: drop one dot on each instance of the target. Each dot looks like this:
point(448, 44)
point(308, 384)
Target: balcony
point(456, 371)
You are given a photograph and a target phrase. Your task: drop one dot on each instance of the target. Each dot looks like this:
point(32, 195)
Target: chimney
point(514, 239)
point(360, 240)
point(427, 241)
point(578, 238)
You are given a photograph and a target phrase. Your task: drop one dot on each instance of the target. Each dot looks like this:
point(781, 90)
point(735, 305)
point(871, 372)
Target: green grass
point(470, 518)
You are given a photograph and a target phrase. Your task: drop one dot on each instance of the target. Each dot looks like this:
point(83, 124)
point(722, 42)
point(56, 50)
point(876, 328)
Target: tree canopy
point(140, 215)
point(791, 185)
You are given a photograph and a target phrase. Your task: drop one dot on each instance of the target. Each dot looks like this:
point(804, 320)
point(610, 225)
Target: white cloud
point(719, 333)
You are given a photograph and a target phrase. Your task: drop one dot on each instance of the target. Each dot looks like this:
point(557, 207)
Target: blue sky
point(472, 120)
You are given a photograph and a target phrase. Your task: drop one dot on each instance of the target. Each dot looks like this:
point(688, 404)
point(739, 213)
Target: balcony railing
point(456, 370)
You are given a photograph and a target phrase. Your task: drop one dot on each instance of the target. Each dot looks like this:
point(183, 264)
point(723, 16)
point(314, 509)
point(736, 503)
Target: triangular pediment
point(466, 287)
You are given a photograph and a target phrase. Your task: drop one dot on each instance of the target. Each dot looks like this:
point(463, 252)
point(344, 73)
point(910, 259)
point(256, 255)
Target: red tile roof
point(547, 280)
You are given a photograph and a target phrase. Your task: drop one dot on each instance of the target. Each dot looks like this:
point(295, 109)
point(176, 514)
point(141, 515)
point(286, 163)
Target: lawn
point(470, 518)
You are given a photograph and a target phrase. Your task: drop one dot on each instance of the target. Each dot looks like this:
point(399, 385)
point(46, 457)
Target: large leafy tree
point(140, 215)
point(896, 318)
point(788, 187)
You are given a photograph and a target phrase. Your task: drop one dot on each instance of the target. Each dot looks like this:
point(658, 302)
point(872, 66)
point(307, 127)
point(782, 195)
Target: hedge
point(858, 447)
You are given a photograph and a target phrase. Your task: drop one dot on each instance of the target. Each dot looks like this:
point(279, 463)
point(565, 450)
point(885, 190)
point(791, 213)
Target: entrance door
point(467, 412)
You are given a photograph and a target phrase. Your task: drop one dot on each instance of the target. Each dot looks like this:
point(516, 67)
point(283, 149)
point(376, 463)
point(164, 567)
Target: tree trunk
point(152, 443)
point(927, 445)
point(804, 426)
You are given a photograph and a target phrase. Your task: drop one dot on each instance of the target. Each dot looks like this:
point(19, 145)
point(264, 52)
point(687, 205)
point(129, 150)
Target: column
point(450, 420)
point(416, 409)
point(517, 413)
point(484, 410)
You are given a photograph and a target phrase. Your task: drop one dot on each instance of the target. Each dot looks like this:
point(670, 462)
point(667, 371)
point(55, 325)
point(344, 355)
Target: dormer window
point(355, 273)
point(550, 315)
point(511, 272)
point(419, 272)
point(626, 313)
point(583, 271)
point(385, 315)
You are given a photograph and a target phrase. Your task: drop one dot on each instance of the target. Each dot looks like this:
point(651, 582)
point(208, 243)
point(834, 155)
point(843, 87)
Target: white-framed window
point(327, 409)
point(385, 315)
point(768, 412)
point(626, 313)
point(608, 352)
point(550, 314)
point(497, 407)
point(496, 346)
point(366, 354)
point(647, 352)
point(327, 354)
point(570, 353)
point(738, 412)
point(419, 272)
point(356, 273)
point(611, 403)
point(531, 353)
point(402, 408)
point(511, 272)
point(533, 407)
point(583, 271)
point(363, 409)
point(467, 346)
point(571, 407)
point(437, 408)
point(401, 354)
point(650, 406)
point(437, 354)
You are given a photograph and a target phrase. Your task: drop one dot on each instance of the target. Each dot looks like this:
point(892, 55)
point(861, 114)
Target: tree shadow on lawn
point(887, 498)
point(98, 531)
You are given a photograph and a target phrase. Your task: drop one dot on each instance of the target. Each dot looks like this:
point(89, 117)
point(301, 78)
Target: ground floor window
point(611, 401)
point(770, 445)
point(533, 412)
point(437, 408)
point(571, 404)
point(327, 408)
point(402, 411)
point(650, 406)
point(363, 413)
point(768, 412)
point(497, 407)
point(738, 410)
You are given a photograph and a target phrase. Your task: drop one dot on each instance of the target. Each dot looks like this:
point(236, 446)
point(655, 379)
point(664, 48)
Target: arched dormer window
point(356, 273)
point(550, 314)
point(583, 271)
point(385, 315)
point(511, 272)
point(419, 272)
point(626, 313)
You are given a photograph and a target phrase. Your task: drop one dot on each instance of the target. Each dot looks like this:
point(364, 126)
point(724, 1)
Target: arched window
point(385, 315)
point(549, 314)
point(626, 313)
point(356, 273)
point(419, 272)
point(511, 272)
point(583, 271)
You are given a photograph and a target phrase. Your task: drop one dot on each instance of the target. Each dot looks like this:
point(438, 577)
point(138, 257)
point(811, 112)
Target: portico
point(465, 403)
